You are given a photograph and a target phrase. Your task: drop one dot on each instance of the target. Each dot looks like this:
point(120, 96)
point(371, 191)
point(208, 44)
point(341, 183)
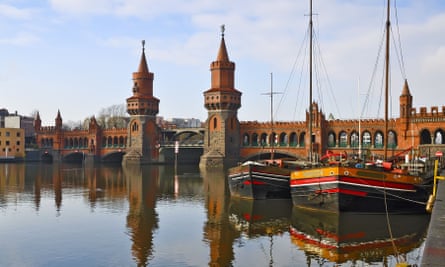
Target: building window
point(343, 139)
point(354, 139)
point(331, 140)
point(378, 142)
point(18, 134)
point(392, 139)
point(135, 127)
point(18, 143)
point(7, 143)
point(7, 133)
point(366, 139)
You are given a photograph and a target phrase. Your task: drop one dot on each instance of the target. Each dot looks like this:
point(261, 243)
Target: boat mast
point(310, 80)
point(388, 26)
point(359, 122)
point(271, 118)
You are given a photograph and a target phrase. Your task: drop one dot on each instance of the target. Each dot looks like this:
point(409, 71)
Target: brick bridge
point(109, 145)
point(289, 140)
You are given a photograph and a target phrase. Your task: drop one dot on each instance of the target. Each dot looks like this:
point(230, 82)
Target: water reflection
point(217, 232)
point(161, 215)
point(260, 217)
point(142, 219)
point(353, 237)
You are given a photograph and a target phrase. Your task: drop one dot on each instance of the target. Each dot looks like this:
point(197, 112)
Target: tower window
point(215, 123)
point(135, 127)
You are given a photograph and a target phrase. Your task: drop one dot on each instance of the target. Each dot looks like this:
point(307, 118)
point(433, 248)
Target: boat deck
point(434, 251)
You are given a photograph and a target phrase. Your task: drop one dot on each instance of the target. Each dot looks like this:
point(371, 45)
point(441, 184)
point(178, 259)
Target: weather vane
point(223, 28)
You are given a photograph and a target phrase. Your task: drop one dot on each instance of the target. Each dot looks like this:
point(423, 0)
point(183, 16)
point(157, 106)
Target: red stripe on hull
point(363, 181)
point(342, 191)
point(248, 182)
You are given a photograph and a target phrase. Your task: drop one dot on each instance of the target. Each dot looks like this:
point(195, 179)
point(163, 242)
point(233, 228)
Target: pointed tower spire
point(222, 68)
point(37, 122)
point(405, 102)
point(222, 52)
point(58, 120)
point(143, 79)
point(143, 67)
point(405, 90)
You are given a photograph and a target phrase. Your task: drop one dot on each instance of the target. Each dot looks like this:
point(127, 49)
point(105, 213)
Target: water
point(69, 215)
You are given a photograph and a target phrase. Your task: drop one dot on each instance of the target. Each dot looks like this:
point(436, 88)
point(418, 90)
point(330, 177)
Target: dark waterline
point(70, 215)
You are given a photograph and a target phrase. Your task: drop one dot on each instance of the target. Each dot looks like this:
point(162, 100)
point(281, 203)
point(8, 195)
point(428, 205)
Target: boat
point(347, 185)
point(357, 238)
point(262, 179)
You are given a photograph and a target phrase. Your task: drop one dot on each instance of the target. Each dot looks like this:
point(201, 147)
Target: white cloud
point(81, 7)
point(21, 39)
point(12, 12)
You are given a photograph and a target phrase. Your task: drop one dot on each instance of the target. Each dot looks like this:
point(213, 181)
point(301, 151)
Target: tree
point(114, 116)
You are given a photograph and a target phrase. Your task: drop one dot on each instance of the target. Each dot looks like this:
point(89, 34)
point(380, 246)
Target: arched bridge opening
point(74, 157)
point(186, 136)
point(113, 157)
point(189, 137)
point(268, 155)
point(46, 157)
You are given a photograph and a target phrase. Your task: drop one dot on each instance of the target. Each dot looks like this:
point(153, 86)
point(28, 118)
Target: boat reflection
point(352, 237)
point(260, 217)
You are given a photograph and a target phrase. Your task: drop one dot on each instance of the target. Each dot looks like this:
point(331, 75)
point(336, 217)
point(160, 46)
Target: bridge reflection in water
point(156, 215)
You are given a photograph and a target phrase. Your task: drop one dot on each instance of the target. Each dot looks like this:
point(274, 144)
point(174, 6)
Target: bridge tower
point(142, 130)
point(222, 101)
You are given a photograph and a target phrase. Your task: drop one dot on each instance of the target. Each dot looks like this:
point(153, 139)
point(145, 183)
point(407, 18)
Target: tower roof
point(143, 67)
point(405, 90)
point(222, 53)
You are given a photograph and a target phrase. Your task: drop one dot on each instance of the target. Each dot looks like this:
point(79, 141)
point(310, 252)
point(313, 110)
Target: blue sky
point(78, 55)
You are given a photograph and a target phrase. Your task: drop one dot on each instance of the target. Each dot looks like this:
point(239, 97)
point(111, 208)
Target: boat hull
point(340, 189)
point(259, 182)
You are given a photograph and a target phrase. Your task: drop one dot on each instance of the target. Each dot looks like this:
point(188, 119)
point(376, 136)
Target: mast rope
point(399, 51)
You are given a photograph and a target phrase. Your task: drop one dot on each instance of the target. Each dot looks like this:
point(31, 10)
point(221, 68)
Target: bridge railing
point(181, 144)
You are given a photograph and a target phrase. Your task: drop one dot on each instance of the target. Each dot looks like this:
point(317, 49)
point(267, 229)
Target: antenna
point(271, 93)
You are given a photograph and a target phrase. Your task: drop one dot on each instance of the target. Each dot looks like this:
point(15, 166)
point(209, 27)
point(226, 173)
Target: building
point(12, 143)
point(23, 122)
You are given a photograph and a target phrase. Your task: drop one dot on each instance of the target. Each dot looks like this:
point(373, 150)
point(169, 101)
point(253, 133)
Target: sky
point(78, 56)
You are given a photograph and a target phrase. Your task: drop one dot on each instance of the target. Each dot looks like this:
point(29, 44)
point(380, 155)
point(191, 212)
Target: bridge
point(110, 145)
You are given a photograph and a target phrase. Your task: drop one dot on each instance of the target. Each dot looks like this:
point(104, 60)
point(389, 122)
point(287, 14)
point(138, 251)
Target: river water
point(74, 215)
